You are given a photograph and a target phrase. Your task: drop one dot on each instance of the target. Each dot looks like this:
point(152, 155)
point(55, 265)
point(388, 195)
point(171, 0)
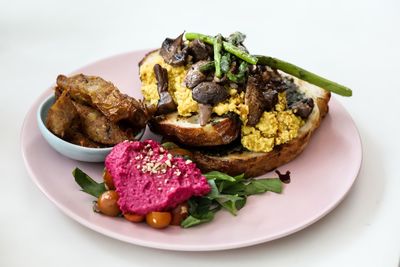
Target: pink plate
point(321, 177)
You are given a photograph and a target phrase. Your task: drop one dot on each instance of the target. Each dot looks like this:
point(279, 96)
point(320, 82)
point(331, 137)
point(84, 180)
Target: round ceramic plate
point(321, 177)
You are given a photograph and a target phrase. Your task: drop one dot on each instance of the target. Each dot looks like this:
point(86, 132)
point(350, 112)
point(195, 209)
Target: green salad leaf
point(219, 176)
point(229, 193)
point(230, 202)
point(201, 210)
point(260, 186)
point(87, 184)
point(255, 186)
point(193, 221)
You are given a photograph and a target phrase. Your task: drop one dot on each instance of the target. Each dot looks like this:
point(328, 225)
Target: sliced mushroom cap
point(209, 93)
point(303, 108)
point(254, 99)
point(174, 51)
point(166, 104)
point(200, 50)
point(194, 76)
point(161, 77)
point(275, 81)
point(270, 99)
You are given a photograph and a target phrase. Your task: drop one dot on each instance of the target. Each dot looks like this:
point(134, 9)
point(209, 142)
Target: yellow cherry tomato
point(107, 203)
point(158, 219)
point(108, 180)
point(132, 217)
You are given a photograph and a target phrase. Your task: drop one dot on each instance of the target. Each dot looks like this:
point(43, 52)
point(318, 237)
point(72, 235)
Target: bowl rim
point(42, 125)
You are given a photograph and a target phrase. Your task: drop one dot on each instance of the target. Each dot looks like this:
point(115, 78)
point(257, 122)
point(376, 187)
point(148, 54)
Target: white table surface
point(356, 43)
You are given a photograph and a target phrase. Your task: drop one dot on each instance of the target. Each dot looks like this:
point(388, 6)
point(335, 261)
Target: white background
point(356, 43)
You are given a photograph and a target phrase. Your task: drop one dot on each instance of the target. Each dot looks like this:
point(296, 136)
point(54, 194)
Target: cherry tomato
point(107, 203)
point(180, 152)
point(132, 217)
point(108, 180)
point(179, 214)
point(157, 219)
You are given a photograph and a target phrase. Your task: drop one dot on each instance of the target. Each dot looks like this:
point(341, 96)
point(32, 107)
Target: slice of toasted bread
point(187, 130)
point(253, 163)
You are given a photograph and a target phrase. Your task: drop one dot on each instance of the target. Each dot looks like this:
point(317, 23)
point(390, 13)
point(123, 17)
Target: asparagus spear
point(236, 38)
point(238, 78)
point(217, 55)
point(225, 62)
point(208, 66)
point(227, 46)
point(304, 75)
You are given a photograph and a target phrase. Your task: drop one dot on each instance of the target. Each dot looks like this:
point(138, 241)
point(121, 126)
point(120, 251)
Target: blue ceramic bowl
point(67, 149)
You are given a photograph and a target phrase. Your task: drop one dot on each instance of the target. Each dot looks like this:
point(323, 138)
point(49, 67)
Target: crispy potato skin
point(98, 128)
point(103, 95)
point(255, 164)
point(220, 133)
point(61, 115)
point(75, 136)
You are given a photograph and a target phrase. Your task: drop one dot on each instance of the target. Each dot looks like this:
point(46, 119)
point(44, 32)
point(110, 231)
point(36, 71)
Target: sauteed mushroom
point(174, 51)
point(200, 50)
point(195, 76)
point(254, 99)
point(166, 104)
point(208, 94)
point(270, 99)
point(303, 107)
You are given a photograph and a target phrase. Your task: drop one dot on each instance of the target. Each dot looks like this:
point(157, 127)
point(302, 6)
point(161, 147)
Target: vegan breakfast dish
point(225, 116)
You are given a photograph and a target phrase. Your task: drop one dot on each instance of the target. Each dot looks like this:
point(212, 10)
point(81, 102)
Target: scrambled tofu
point(176, 75)
point(233, 104)
point(274, 128)
point(282, 102)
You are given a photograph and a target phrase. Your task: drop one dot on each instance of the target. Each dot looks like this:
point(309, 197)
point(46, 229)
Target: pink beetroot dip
point(148, 178)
